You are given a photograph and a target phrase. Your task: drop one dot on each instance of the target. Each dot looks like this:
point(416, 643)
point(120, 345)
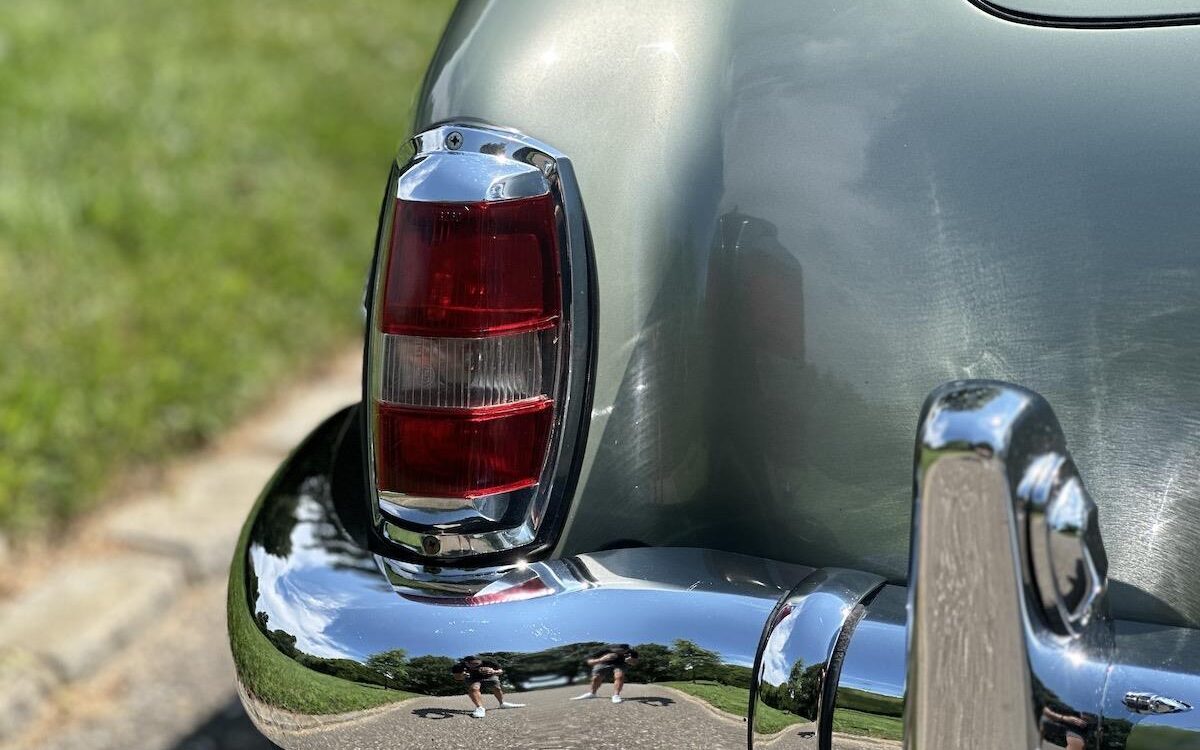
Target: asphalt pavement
point(651, 716)
point(172, 689)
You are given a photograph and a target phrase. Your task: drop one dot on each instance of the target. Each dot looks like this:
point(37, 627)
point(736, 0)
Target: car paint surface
point(805, 216)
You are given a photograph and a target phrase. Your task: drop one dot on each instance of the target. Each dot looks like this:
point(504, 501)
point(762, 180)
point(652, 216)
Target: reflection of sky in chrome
point(293, 611)
point(305, 612)
point(776, 666)
point(987, 423)
point(338, 606)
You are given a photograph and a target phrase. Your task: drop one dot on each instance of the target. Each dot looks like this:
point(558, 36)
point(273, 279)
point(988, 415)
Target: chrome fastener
point(1149, 703)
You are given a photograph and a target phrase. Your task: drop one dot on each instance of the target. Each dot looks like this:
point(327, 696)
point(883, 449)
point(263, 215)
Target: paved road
point(171, 690)
point(651, 717)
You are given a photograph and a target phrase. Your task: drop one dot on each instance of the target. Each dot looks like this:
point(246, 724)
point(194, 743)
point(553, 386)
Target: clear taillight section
point(469, 326)
point(467, 373)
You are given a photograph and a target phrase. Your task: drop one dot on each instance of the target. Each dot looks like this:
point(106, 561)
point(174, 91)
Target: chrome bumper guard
point(1010, 644)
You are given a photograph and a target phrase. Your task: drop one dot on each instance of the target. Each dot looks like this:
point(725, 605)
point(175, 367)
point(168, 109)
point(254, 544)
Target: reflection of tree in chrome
point(392, 665)
point(429, 674)
point(689, 661)
point(654, 663)
point(799, 694)
point(560, 665)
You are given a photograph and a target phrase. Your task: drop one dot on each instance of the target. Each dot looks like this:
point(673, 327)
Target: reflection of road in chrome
point(650, 716)
point(802, 737)
point(850, 742)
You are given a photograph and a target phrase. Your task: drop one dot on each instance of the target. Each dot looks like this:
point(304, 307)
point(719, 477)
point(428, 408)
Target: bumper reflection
point(338, 648)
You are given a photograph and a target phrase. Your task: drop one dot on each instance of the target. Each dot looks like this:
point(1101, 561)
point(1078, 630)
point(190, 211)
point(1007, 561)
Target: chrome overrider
point(1010, 644)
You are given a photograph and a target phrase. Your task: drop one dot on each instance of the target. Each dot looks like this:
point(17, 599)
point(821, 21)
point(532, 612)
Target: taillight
point(468, 270)
point(474, 363)
point(531, 589)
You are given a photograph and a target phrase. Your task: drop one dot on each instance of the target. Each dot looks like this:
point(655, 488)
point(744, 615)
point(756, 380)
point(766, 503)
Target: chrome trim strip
point(1164, 663)
point(799, 657)
point(469, 176)
point(336, 646)
point(868, 709)
point(443, 512)
point(1149, 703)
point(1082, 21)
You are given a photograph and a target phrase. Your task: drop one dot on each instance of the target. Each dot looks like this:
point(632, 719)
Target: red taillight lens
point(531, 589)
point(462, 453)
point(472, 269)
point(478, 348)
point(469, 329)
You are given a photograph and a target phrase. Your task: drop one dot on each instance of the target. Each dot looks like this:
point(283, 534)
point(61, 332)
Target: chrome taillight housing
point(479, 333)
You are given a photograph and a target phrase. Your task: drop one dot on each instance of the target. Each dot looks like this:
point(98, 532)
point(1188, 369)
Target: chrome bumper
point(1010, 645)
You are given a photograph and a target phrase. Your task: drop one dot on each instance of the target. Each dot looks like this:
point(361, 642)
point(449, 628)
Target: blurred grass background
point(188, 198)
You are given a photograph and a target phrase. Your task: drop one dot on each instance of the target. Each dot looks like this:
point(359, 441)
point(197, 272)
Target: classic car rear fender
point(805, 215)
point(337, 646)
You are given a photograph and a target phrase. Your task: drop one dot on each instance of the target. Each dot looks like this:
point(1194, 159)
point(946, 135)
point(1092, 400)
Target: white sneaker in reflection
point(480, 712)
point(585, 696)
point(616, 699)
point(506, 704)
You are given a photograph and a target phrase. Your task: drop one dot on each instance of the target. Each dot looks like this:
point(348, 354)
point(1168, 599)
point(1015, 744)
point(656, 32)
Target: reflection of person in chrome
point(479, 674)
point(610, 660)
point(1074, 727)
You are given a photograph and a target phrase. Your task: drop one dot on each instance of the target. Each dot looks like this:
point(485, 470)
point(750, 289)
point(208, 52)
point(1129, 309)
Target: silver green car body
point(807, 215)
point(862, 272)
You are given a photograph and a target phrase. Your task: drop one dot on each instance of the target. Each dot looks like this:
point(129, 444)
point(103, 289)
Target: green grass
point(188, 198)
point(860, 724)
point(868, 714)
point(278, 680)
point(735, 700)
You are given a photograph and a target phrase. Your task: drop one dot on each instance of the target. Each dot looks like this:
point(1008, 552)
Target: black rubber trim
point(833, 671)
point(1085, 22)
point(833, 675)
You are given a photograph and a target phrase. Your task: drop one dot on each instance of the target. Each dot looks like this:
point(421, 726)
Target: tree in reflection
point(430, 675)
point(689, 661)
point(325, 531)
point(804, 684)
point(392, 665)
point(308, 518)
point(654, 663)
point(561, 663)
point(799, 694)
point(276, 521)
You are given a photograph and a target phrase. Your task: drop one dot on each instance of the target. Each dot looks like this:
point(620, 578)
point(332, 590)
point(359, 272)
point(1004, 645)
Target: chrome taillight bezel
point(469, 162)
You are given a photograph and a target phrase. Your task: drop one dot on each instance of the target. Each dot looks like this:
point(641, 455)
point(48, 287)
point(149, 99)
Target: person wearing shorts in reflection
point(610, 660)
point(480, 674)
